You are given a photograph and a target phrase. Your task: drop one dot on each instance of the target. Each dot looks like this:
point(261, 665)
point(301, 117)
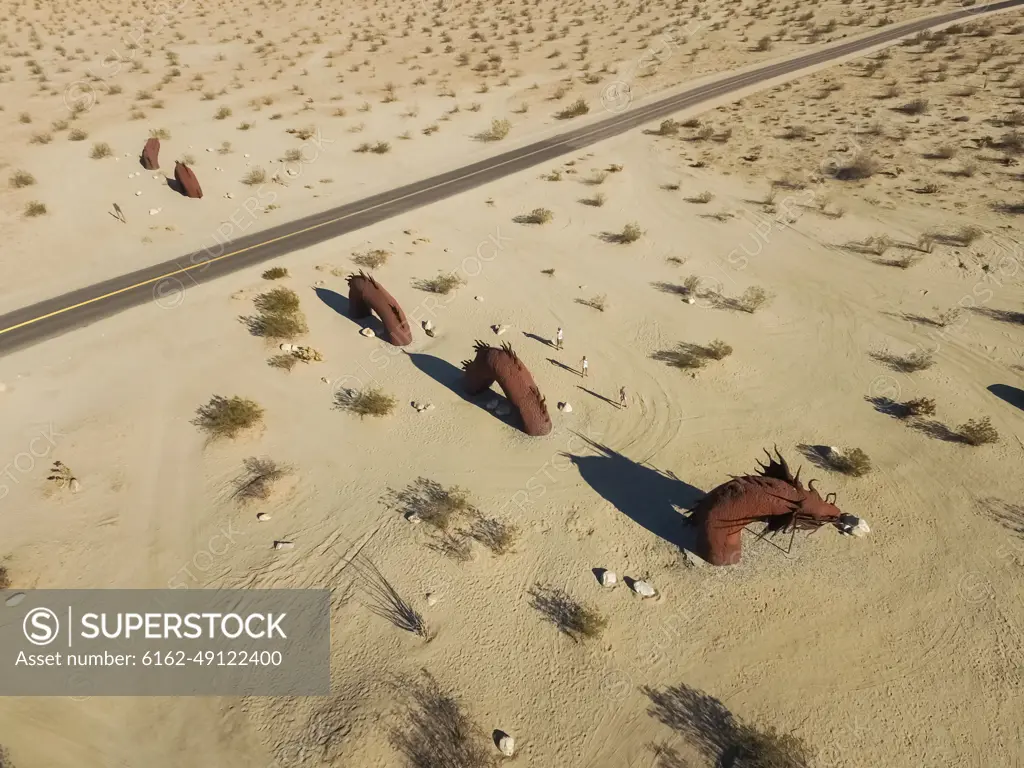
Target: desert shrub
point(160, 133)
point(430, 502)
point(41, 138)
point(278, 301)
point(381, 148)
point(919, 406)
point(764, 44)
point(569, 615)
point(227, 416)
point(918, 360)
point(283, 362)
point(944, 152)
point(372, 259)
point(35, 208)
point(498, 536)
point(101, 150)
point(258, 478)
point(275, 273)
point(436, 731)
point(536, 216)
point(596, 201)
point(77, 134)
point(718, 350)
point(629, 234)
point(255, 176)
point(576, 109)
point(693, 356)
point(25, 118)
point(499, 130)
point(293, 155)
point(960, 237)
point(860, 166)
point(548, 272)
point(222, 113)
point(668, 128)
point(978, 432)
point(852, 462)
point(915, 107)
point(753, 299)
point(599, 302)
point(443, 284)
point(21, 179)
point(769, 748)
point(372, 401)
point(5, 583)
point(703, 197)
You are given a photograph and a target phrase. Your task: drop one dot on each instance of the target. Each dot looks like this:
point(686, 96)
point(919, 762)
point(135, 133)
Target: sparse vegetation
point(279, 315)
point(20, 179)
point(275, 273)
point(978, 432)
point(499, 130)
point(430, 502)
point(373, 259)
point(576, 109)
point(536, 216)
point(257, 481)
point(101, 150)
point(443, 284)
point(629, 234)
point(572, 617)
point(255, 176)
point(918, 360)
point(77, 134)
point(599, 302)
point(753, 299)
point(227, 416)
point(853, 462)
point(693, 356)
point(372, 401)
point(5, 583)
point(35, 208)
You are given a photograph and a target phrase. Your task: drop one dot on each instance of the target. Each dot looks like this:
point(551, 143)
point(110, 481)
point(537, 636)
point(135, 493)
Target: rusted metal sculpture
point(773, 496)
point(504, 366)
point(188, 184)
point(365, 295)
point(150, 157)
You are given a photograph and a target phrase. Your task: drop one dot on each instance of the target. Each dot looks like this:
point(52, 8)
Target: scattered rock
point(431, 600)
point(283, 545)
point(263, 517)
point(325, 380)
point(246, 155)
point(690, 299)
point(609, 579)
point(427, 325)
point(644, 589)
point(565, 408)
point(479, 298)
point(286, 347)
point(507, 745)
point(499, 329)
point(138, 193)
point(412, 517)
point(74, 485)
point(367, 332)
point(229, 195)
point(307, 354)
point(154, 211)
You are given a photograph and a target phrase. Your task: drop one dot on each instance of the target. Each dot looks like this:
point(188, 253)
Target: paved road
point(165, 282)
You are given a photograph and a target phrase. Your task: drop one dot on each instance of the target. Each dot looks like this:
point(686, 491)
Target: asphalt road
point(166, 283)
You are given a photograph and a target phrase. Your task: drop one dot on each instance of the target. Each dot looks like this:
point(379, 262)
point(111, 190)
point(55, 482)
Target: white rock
point(154, 211)
point(507, 745)
point(835, 452)
point(367, 332)
point(609, 579)
point(209, 149)
point(503, 410)
point(428, 407)
point(156, 175)
point(263, 517)
point(690, 299)
point(229, 195)
point(427, 325)
point(286, 347)
point(431, 600)
point(74, 485)
point(138, 193)
point(246, 155)
point(325, 380)
point(644, 589)
point(283, 545)
point(479, 298)
point(565, 408)
point(492, 404)
point(414, 518)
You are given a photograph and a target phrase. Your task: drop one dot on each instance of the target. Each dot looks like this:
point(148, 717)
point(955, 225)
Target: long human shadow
point(1009, 394)
point(599, 397)
point(563, 366)
point(649, 497)
point(450, 376)
point(541, 339)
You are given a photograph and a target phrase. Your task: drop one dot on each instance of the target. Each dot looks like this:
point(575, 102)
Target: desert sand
point(903, 648)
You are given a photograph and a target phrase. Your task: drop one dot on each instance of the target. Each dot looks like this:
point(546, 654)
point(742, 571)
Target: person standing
point(622, 398)
point(584, 365)
point(558, 339)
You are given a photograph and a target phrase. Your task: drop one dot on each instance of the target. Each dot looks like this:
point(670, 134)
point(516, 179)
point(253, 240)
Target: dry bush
point(20, 179)
point(34, 208)
point(372, 401)
point(255, 176)
point(978, 432)
point(279, 315)
point(918, 360)
point(703, 197)
point(222, 113)
point(498, 536)
point(499, 130)
point(717, 350)
point(919, 406)
point(860, 166)
point(569, 615)
point(596, 201)
point(5, 583)
point(443, 284)
point(437, 732)
point(227, 416)
point(77, 134)
point(693, 356)
point(629, 234)
point(275, 273)
point(852, 462)
point(960, 237)
point(753, 299)
point(430, 502)
point(257, 481)
point(384, 600)
point(599, 302)
point(668, 128)
point(284, 362)
point(160, 133)
point(576, 109)
point(100, 150)
point(536, 216)
point(41, 138)
point(278, 301)
point(548, 272)
point(372, 259)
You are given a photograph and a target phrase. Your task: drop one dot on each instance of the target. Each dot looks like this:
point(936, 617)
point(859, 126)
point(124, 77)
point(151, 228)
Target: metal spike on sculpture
point(365, 295)
point(504, 366)
point(775, 497)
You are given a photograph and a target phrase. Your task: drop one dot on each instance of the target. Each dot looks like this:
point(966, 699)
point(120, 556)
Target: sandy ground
point(900, 649)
